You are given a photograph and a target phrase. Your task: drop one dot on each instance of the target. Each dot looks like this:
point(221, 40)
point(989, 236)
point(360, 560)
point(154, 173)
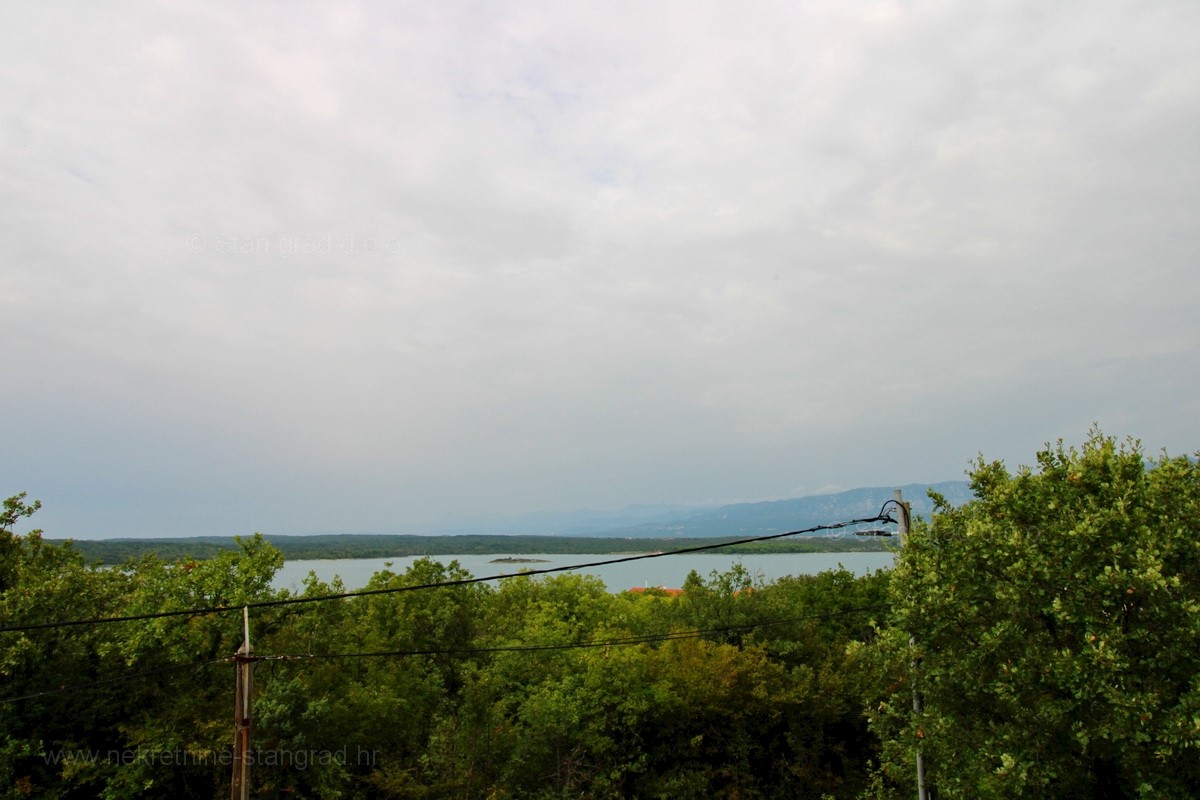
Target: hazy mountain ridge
point(630, 522)
point(776, 516)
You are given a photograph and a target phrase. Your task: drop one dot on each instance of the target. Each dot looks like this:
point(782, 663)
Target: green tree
point(1056, 619)
point(69, 690)
point(11, 545)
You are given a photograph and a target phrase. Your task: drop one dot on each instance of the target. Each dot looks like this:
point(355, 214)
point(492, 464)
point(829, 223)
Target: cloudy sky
point(299, 267)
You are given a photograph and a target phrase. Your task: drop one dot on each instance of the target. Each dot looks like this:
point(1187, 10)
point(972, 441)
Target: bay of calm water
point(667, 571)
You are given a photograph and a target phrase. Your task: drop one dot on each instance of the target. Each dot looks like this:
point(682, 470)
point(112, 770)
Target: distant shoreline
point(349, 546)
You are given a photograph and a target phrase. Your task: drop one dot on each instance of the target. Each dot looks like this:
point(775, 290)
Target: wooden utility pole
point(239, 788)
point(905, 510)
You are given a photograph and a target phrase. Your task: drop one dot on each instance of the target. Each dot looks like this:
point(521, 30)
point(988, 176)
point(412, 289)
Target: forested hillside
point(370, 545)
point(1049, 626)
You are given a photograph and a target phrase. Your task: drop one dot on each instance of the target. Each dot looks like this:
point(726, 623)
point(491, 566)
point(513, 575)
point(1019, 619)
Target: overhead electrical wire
point(204, 611)
point(528, 648)
point(903, 508)
point(644, 639)
point(115, 679)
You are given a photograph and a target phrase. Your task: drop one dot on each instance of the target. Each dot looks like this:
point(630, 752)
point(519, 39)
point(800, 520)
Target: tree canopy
point(539, 688)
point(1049, 625)
point(1056, 619)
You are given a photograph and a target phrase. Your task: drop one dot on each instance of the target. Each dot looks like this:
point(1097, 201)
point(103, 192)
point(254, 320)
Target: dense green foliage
point(740, 711)
point(1050, 626)
point(117, 551)
point(1056, 621)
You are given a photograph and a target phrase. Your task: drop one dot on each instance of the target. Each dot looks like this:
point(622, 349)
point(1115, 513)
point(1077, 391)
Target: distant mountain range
point(578, 531)
point(739, 519)
point(777, 516)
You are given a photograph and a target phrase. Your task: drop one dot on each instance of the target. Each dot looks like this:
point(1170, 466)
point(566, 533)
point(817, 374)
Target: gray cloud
point(379, 267)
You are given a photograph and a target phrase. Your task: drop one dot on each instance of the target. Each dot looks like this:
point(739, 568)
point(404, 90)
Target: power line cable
point(645, 639)
point(904, 510)
point(203, 611)
point(292, 657)
point(115, 679)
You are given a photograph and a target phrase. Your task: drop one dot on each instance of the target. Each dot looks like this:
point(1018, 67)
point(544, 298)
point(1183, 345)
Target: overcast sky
point(299, 267)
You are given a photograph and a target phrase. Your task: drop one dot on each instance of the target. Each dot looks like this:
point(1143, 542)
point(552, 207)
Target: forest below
point(1048, 629)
